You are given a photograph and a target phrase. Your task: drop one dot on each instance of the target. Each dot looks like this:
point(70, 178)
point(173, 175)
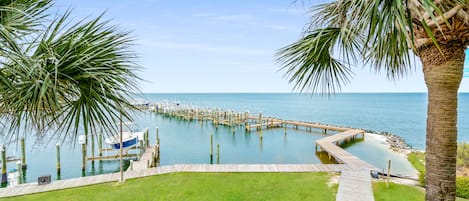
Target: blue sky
point(221, 46)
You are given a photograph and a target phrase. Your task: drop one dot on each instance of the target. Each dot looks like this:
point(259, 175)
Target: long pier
point(356, 180)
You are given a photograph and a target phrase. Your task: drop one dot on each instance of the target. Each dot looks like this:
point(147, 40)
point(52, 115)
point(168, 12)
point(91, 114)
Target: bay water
point(184, 142)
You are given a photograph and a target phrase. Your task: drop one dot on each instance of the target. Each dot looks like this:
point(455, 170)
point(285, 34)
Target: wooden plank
point(355, 186)
point(113, 157)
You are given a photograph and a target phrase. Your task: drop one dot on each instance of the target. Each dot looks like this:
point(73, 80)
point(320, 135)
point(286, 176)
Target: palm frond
point(21, 17)
point(374, 31)
point(309, 62)
point(79, 78)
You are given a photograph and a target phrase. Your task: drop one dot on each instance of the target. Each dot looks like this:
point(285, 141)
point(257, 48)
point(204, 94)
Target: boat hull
point(126, 144)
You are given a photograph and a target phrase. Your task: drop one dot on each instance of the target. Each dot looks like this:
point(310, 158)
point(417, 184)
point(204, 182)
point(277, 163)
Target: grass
point(400, 192)
point(397, 192)
point(203, 186)
point(417, 159)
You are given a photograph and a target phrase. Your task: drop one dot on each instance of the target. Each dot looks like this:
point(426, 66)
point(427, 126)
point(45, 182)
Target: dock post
point(92, 149)
point(218, 153)
point(261, 127)
point(83, 159)
point(389, 172)
point(211, 148)
point(157, 135)
point(100, 143)
point(23, 154)
point(147, 137)
point(157, 154)
point(142, 149)
point(57, 164)
point(158, 143)
point(284, 128)
point(4, 167)
point(260, 121)
point(19, 169)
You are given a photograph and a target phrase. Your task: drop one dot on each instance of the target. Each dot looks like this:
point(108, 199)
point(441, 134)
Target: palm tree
point(386, 35)
point(63, 76)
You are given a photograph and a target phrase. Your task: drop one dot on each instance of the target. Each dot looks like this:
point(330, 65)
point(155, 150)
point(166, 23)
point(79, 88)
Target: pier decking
point(329, 145)
point(354, 185)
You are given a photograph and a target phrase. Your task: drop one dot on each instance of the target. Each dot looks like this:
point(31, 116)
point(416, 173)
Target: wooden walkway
point(354, 186)
point(145, 160)
point(359, 168)
point(31, 188)
point(329, 145)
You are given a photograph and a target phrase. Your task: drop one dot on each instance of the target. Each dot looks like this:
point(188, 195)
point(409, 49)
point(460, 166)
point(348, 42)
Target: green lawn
point(417, 159)
point(204, 186)
point(397, 192)
point(400, 192)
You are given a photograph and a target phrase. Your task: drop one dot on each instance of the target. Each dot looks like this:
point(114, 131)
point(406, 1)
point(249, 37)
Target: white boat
point(130, 138)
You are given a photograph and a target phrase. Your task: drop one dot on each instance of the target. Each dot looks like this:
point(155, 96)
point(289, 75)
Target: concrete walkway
point(31, 188)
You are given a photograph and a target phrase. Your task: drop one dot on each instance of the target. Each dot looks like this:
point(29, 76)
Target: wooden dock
point(329, 145)
point(354, 186)
point(147, 160)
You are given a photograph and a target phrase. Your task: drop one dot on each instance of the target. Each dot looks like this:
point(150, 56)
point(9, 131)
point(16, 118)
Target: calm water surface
point(189, 142)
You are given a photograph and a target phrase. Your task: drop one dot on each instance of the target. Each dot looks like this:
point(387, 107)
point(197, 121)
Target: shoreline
point(394, 142)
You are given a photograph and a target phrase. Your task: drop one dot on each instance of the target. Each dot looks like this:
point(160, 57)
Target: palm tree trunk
point(443, 72)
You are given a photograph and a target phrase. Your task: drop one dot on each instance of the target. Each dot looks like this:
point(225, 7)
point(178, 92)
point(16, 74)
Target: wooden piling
point(218, 153)
point(92, 149)
point(100, 143)
point(157, 135)
point(147, 137)
point(83, 161)
point(23, 154)
point(284, 128)
point(19, 169)
point(389, 172)
point(260, 131)
point(4, 167)
point(142, 149)
point(211, 148)
point(57, 164)
point(157, 154)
